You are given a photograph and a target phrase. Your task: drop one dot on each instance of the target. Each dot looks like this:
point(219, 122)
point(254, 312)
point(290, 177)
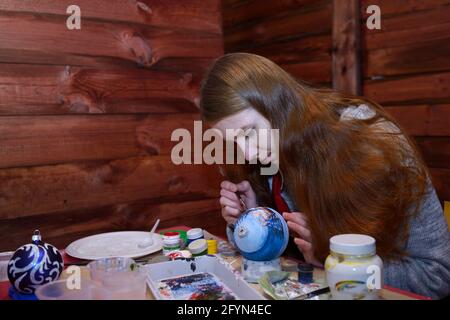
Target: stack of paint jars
point(194, 234)
point(171, 242)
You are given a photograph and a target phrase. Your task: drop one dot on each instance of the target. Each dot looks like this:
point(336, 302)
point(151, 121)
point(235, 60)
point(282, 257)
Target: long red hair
point(350, 176)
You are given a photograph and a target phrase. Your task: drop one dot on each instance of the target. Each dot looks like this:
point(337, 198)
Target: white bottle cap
point(194, 233)
point(353, 244)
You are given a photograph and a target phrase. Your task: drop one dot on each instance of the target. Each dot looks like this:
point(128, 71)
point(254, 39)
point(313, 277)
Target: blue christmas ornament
point(261, 234)
point(34, 264)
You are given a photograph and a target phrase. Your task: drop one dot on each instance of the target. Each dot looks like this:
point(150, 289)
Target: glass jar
point(353, 269)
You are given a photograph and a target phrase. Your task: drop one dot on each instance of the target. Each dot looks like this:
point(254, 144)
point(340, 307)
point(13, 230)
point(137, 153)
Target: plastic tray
point(209, 264)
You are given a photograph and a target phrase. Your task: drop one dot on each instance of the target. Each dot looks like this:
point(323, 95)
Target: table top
point(288, 264)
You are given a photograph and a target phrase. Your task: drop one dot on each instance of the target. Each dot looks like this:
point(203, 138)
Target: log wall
point(86, 117)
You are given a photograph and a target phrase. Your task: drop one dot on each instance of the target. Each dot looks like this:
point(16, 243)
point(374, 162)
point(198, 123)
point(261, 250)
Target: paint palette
point(197, 286)
point(279, 285)
point(199, 278)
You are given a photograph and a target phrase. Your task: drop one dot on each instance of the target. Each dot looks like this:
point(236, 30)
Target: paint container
point(171, 242)
point(252, 271)
point(353, 269)
point(305, 273)
point(198, 247)
point(194, 234)
point(179, 254)
point(212, 246)
point(226, 249)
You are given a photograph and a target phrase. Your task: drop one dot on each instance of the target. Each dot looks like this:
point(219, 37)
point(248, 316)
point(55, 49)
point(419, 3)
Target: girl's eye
point(249, 132)
point(246, 134)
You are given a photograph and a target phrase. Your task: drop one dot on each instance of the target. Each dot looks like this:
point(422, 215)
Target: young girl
point(345, 166)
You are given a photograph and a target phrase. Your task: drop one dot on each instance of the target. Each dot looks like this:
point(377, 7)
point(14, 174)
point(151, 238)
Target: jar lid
point(171, 235)
point(194, 233)
point(198, 246)
point(353, 244)
point(305, 267)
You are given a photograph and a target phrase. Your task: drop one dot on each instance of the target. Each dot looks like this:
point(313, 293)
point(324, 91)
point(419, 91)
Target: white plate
point(114, 244)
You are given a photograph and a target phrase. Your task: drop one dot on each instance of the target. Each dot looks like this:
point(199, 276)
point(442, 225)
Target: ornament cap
point(36, 236)
point(242, 231)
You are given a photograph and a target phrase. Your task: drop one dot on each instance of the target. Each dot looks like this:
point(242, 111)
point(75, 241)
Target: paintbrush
point(312, 294)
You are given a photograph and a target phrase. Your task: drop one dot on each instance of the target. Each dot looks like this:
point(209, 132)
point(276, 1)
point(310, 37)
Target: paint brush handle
point(243, 205)
point(155, 226)
point(313, 294)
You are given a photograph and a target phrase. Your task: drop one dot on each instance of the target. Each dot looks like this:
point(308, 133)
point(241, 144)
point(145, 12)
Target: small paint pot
point(305, 273)
point(198, 247)
point(179, 254)
point(212, 246)
point(171, 242)
point(194, 234)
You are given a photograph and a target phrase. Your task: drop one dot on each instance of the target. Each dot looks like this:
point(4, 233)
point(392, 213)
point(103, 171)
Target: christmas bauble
point(261, 234)
point(34, 264)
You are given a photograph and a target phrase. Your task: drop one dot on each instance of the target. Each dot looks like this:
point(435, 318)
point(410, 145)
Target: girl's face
point(252, 133)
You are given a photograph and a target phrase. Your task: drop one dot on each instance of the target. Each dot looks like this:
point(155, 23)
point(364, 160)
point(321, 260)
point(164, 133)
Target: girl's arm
point(426, 268)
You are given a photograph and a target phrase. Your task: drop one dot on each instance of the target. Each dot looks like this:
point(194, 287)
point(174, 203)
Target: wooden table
point(387, 293)
point(287, 265)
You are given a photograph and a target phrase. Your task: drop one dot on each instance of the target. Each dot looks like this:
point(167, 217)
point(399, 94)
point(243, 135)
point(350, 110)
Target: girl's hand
point(298, 223)
point(231, 197)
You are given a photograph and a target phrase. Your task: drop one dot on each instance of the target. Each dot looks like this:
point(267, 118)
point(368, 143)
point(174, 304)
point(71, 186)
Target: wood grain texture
point(240, 12)
point(397, 8)
point(46, 40)
point(409, 29)
point(290, 24)
point(408, 44)
point(435, 151)
point(86, 117)
point(294, 34)
point(67, 187)
point(313, 72)
point(27, 141)
point(198, 15)
point(426, 88)
point(37, 89)
point(346, 46)
point(317, 48)
point(421, 57)
point(423, 120)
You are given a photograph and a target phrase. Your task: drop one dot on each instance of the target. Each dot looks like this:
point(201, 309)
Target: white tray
point(114, 244)
point(209, 264)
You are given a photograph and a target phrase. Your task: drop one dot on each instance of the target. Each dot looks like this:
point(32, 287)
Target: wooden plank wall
point(86, 117)
point(294, 34)
point(405, 66)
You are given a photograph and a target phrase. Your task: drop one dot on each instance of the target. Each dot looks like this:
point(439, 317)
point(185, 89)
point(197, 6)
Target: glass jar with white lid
point(354, 271)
